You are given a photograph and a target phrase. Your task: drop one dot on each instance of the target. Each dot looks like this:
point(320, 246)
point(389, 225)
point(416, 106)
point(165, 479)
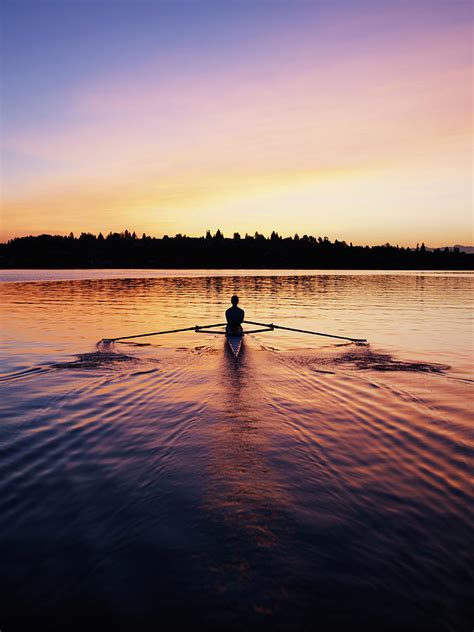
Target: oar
point(304, 331)
point(158, 333)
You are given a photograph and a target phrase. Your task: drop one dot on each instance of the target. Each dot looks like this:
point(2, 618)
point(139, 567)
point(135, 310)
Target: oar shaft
point(305, 331)
point(319, 333)
point(169, 331)
point(153, 333)
point(249, 322)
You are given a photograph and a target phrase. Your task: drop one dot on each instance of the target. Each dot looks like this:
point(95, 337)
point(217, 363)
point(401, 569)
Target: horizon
point(345, 119)
point(223, 235)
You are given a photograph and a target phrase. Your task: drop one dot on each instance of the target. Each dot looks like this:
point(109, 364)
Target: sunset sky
point(345, 118)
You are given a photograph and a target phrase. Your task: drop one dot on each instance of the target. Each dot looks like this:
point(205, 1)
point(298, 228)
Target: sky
point(342, 118)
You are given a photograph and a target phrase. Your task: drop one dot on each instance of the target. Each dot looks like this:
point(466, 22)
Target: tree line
point(127, 250)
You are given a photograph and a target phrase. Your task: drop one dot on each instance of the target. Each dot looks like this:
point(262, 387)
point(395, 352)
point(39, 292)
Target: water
point(309, 484)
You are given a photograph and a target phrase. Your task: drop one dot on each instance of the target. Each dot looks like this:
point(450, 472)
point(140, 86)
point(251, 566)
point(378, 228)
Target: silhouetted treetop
point(126, 250)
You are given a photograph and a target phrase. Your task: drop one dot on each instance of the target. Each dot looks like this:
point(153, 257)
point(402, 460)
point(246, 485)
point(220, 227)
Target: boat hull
point(235, 344)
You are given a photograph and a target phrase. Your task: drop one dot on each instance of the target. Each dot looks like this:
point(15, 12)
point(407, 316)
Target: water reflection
point(318, 482)
point(413, 314)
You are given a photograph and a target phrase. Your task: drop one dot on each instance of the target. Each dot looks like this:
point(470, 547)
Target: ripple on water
point(318, 483)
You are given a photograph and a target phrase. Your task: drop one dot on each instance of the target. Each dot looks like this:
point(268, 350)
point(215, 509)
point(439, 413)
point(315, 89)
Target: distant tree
point(87, 237)
point(123, 249)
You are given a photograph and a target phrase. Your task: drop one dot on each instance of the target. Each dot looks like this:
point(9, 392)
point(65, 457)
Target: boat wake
point(98, 361)
point(298, 469)
point(367, 359)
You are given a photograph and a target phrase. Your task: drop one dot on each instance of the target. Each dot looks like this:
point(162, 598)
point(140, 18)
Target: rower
point(235, 317)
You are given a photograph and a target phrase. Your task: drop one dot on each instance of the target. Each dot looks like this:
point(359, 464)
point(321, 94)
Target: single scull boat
point(234, 341)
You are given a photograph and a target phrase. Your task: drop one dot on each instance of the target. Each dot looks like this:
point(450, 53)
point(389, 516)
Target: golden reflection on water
point(293, 474)
point(409, 314)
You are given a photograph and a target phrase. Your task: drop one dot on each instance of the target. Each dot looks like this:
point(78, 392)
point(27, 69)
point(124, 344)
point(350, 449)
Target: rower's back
point(234, 315)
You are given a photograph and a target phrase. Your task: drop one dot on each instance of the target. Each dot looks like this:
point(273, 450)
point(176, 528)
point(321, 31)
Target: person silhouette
point(234, 316)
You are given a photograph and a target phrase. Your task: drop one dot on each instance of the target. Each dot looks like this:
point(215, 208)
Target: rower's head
point(234, 300)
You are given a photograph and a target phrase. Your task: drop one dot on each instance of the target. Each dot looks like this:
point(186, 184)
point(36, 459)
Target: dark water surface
point(308, 485)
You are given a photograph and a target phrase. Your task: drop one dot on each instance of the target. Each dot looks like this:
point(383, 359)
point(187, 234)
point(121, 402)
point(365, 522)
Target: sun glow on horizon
point(284, 130)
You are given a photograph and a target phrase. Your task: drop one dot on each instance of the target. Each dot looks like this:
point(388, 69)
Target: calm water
point(309, 484)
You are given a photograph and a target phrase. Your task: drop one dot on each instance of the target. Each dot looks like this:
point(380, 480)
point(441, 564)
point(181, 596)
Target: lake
point(310, 483)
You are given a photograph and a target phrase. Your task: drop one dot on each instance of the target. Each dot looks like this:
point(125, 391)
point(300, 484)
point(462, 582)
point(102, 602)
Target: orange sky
point(351, 124)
